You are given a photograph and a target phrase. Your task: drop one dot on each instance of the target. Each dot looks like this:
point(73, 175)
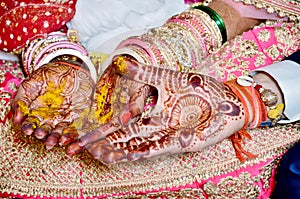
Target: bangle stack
point(214, 16)
point(182, 42)
point(56, 45)
point(250, 99)
point(269, 99)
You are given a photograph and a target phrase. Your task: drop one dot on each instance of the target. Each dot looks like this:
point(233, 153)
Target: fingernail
point(132, 156)
point(49, 147)
point(126, 118)
point(40, 133)
point(80, 143)
point(73, 149)
point(67, 139)
point(28, 128)
point(52, 140)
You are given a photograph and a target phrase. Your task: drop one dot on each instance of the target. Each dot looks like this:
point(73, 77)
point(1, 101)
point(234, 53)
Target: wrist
point(235, 24)
point(268, 82)
point(55, 46)
point(286, 75)
point(251, 103)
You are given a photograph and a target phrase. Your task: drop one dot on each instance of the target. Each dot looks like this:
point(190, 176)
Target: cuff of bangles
point(286, 73)
point(215, 17)
point(266, 104)
point(44, 50)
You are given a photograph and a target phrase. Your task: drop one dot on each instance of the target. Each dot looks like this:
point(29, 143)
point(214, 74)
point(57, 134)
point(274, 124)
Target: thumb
point(146, 74)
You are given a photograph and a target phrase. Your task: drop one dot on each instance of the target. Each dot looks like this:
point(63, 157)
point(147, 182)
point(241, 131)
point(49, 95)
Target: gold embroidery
point(264, 35)
point(28, 169)
point(243, 50)
point(242, 186)
point(248, 49)
point(273, 52)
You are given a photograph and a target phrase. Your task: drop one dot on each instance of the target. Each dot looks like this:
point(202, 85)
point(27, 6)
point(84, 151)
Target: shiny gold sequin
point(264, 35)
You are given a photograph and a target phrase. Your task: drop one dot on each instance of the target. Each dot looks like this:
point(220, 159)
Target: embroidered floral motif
point(264, 35)
point(248, 49)
point(273, 52)
point(238, 187)
point(256, 49)
point(52, 174)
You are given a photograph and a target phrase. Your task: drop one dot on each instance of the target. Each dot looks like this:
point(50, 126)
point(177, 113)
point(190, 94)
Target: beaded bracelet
point(268, 97)
point(137, 41)
point(174, 43)
point(252, 105)
point(214, 16)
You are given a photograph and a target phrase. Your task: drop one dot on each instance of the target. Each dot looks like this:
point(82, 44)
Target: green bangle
point(216, 17)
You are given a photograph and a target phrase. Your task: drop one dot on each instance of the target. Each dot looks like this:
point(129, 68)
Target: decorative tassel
point(238, 139)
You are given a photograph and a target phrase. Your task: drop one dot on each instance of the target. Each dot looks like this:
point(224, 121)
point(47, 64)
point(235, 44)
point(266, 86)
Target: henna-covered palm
point(118, 100)
point(53, 103)
point(192, 112)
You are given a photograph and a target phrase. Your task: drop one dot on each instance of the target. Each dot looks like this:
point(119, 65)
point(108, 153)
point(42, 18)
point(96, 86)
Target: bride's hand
point(118, 100)
point(192, 112)
point(53, 103)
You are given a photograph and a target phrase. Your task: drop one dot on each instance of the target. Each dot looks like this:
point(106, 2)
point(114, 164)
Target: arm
point(192, 112)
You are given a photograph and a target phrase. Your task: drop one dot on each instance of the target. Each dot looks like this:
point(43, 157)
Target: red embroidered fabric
point(24, 20)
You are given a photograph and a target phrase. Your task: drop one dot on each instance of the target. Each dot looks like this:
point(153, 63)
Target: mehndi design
point(53, 103)
point(192, 112)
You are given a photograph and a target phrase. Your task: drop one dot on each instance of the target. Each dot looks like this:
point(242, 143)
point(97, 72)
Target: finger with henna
point(74, 148)
point(52, 140)
point(42, 132)
point(29, 125)
point(69, 135)
point(18, 115)
point(100, 132)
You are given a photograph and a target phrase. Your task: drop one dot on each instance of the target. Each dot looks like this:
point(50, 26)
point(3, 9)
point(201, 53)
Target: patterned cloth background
point(29, 171)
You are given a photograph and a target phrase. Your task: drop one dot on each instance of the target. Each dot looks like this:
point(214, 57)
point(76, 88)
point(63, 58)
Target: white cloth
point(102, 24)
point(8, 56)
point(287, 75)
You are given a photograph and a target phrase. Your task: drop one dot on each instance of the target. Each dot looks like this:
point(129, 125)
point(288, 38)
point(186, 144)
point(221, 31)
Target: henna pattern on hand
point(53, 103)
point(192, 111)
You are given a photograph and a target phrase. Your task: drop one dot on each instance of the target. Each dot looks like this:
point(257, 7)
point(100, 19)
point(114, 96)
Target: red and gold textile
point(29, 171)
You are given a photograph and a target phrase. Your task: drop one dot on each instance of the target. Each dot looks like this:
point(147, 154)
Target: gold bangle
point(214, 16)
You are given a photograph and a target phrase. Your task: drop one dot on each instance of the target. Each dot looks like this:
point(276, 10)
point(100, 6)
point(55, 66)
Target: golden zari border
point(28, 169)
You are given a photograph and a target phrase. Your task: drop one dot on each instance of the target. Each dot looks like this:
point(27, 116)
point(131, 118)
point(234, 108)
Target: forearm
point(235, 24)
point(184, 40)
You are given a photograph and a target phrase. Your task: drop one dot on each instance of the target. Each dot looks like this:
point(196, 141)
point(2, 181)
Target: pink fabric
point(263, 46)
point(9, 80)
point(24, 20)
